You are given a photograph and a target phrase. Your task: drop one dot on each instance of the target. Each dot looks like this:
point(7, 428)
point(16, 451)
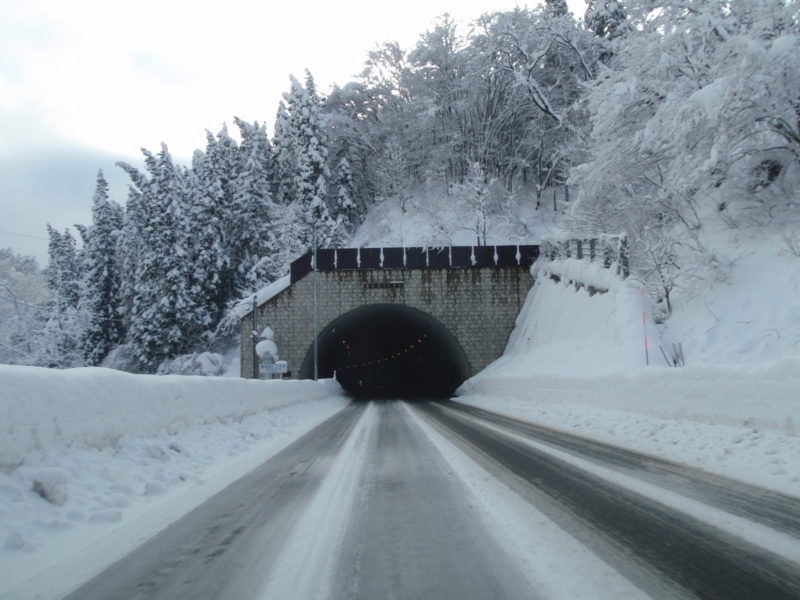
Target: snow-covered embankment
point(97, 460)
point(576, 361)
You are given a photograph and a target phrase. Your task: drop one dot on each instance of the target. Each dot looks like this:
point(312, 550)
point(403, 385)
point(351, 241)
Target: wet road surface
point(365, 506)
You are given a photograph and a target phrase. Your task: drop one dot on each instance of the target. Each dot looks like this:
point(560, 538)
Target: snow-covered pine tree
point(163, 312)
point(130, 241)
point(345, 210)
point(283, 158)
point(102, 278)
point(252, 213)
point(220, 170)
point(63, 273)
point(65, 321)
point(311, 160)
point(207, 217)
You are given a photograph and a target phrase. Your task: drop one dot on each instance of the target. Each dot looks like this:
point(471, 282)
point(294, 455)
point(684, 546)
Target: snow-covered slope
point(748, 310)
point(579, 319)
point(98, 460)
point(577, 362)
point(434, 218)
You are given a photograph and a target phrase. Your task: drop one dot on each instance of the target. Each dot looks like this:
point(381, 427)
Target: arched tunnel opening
point(389, 351)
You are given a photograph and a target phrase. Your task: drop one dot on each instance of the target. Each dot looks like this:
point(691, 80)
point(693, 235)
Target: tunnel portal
point(389, 350)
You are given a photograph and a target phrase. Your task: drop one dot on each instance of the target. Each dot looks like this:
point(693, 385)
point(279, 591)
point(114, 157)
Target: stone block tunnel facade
point(448, 308)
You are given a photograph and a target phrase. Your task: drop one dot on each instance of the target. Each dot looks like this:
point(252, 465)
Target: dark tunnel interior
point(389, 351)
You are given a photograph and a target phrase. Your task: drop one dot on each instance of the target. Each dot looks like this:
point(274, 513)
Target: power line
point(35, 237)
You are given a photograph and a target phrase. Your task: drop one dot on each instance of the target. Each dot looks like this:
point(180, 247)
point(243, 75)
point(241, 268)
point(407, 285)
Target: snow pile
point(208, 364)
point(579, 318)
point(41, 408)
point(90, 454)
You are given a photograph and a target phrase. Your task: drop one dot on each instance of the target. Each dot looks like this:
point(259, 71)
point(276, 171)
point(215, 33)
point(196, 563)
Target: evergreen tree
point(253, 212)
point(207, 218)
point(311, 165)
point(219, 173)
point(163, 314)
point(283, 158)
point(102, 279)
point(65, 321)
point(345, 212)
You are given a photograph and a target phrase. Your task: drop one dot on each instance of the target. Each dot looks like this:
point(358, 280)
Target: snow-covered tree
point(164, 316)
point(696, 119)
point(345, 210)
point(606, 18)
point(283, 158)
point(252, 213)
point(474, 192)
point(23, 296)
point(66, 317)
point(311, 164)
point(101, 285)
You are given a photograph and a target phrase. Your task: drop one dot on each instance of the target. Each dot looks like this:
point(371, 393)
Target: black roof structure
point(426, 257)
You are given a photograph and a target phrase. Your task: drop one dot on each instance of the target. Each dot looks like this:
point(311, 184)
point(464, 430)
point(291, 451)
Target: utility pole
point(316, 329)
point(256, 373)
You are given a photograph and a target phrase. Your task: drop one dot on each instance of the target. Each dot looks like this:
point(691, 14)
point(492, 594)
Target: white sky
point(104, 78)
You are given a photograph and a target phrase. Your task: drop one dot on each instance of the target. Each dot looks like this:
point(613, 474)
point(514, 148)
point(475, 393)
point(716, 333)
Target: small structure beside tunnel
point(395, 321)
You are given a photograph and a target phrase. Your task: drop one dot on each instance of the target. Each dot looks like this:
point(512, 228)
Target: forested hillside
point(666, 120)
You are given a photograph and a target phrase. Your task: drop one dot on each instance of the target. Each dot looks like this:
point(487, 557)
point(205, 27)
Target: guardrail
point(612, 251)
point(426, 257)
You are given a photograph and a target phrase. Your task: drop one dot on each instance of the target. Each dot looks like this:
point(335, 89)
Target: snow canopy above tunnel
point(389, 350)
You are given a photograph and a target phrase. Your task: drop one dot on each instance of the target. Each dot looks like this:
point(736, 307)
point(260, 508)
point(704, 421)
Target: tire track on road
point(704, 561)
point(770, 508)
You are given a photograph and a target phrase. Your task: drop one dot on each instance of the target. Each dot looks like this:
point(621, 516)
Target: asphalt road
point(402, 523)
point(699, 559)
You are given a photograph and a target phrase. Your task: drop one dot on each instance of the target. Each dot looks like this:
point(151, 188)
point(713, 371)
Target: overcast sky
point(85, 83)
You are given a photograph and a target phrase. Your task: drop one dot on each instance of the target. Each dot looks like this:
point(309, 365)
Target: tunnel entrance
point(389, 350)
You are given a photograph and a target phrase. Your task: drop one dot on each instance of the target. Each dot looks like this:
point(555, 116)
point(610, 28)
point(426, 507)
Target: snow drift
point(41, 408)
point(97, 460)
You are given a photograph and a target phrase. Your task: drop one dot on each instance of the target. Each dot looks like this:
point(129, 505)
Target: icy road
point(438, 500)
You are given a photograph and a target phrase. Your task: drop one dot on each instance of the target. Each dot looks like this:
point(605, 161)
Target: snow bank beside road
point(576, 362)
point(95, 461)
point(92, 407)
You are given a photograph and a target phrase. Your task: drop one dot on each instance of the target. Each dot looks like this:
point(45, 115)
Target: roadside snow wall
point(579, 318)
point(95, 407)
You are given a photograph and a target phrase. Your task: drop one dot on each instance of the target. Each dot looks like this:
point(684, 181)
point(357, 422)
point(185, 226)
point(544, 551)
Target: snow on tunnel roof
point(263, 295)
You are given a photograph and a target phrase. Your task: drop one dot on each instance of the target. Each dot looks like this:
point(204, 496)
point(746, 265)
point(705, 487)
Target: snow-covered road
point(425, 500)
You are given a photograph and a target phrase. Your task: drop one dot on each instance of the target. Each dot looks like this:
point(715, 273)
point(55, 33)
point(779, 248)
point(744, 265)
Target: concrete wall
point(479, 306)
